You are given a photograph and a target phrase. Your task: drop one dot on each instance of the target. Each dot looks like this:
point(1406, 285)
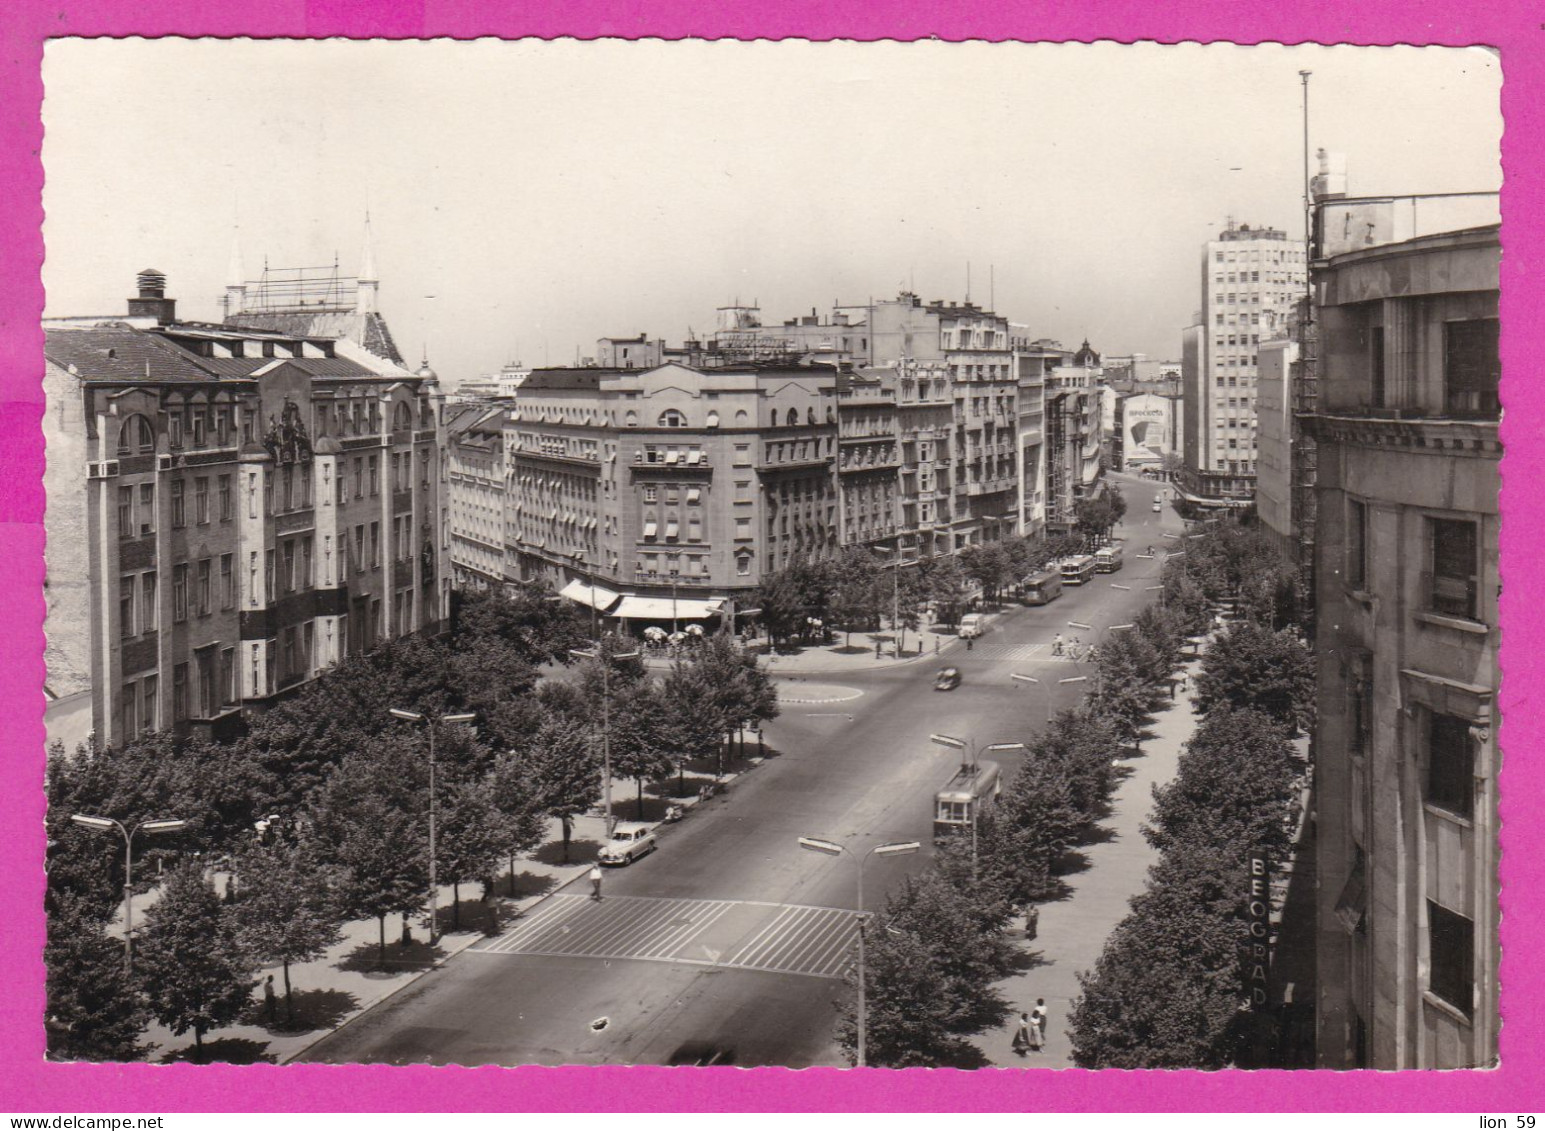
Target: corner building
point(1406, 640)
point(235, 508)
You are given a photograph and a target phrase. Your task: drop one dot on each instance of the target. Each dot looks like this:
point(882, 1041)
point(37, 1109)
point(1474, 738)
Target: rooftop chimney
point(151, 302)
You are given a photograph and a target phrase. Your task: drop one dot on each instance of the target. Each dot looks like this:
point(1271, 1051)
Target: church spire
point(235, 279)
point(369, 279)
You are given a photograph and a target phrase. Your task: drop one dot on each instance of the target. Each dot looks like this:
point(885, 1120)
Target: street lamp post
point(432, 722)
point(600, 653)
point(832, 848)
point(595, 614)
point(1045, 689)
point(169, 825)
point(675, 573)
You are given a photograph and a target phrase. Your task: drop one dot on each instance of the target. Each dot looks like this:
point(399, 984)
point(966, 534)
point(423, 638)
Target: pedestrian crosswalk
point(1020, 652)
point(771, 937)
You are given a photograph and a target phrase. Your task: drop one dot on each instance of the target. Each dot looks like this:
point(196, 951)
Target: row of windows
point(1451, 580)
point(1254, 255)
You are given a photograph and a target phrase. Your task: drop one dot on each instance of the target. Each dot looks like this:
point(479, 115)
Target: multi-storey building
point(475, 493)
point(231, 509)
point(868, 459)
point(676, 490)
point(1406, 634)
point(1250, 279)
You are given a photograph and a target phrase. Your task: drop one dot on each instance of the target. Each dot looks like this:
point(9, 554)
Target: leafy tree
point(515, 796)
point(370, 816)
point(1125, 693)
point(641, 737)
point(1037, 820)
point(693, 730)
point(782, 605)
point(471, 838)
point(94, 1012)
point(190, 966)
point(1256, 668)
point(946, 585)
point(1165, 992)
point(1234, 789)
point(990, 565)
point(538, 629)
point(855, 596)
point(563, 768)
point(289, 907)
point(908, 1005)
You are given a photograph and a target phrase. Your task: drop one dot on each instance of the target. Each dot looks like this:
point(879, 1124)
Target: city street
point(729, 940)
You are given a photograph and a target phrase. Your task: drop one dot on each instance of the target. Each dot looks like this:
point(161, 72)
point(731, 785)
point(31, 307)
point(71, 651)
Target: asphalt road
point(731, 937)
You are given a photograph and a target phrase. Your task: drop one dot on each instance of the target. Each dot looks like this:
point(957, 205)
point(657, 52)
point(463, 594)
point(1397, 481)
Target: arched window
point(742, 417)
point(713, 419)
point(672, 418)
point(136, 436)
point(630, 419)
point(793, 417)
point(402, 418)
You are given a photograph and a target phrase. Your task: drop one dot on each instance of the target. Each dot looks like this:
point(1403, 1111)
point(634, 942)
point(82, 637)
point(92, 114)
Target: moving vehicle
point(1158, 505)
point(1077, 570)
point(629, 841)
point(947, 680)
point(972, 791)
point(1107, 560)
point(1042, 588)
point(973, 625)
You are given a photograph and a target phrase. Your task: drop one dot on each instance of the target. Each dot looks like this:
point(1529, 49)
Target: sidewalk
point(331, 991)
point(1072, 931)
point(859, 656)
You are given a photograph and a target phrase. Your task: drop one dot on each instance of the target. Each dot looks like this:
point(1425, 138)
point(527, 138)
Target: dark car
point(947, 680)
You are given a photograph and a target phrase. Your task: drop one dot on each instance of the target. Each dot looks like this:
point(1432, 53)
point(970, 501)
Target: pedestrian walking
point(1022, 1038)
point(935, 645)
point(270, 1000)
point(877, 649)
point(1032, 922)
point(970, 643)
point(1038, 1017)
point(1056, 645)
point(595, 882)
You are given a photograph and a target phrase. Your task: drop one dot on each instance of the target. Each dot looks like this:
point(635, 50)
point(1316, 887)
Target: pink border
point(28, 1083)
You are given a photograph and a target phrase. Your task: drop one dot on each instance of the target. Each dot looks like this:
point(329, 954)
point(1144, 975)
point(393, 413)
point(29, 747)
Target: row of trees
point(1233, 562)
point(859, 590)
point(1167, 990)
point(349, 786)
point(943, 939)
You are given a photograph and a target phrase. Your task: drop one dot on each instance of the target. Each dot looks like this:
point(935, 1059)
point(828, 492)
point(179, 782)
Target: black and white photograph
point(729, 553)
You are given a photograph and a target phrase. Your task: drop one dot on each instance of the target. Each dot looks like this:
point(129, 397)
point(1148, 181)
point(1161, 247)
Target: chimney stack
point(151, 302)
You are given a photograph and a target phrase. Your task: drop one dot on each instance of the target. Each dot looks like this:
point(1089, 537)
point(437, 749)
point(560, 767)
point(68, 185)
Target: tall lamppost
point(606, 658)
point(973, 765)
point(432, 721)
point(168, 825)
point(832, 848)
point(675, 573)
point(895, 564)
point(1045, 690)
point(580, 562)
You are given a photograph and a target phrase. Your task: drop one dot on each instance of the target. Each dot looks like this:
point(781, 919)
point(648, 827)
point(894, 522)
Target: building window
point(375, 475)
point(359, 548)
point(208, 689)
point(227, 581)
point(1451, 957)
point(227, 677)
point(289, 566)
point(150, 616)
point(359, 477)
point(126, 606)
point(305, 563)
point(672, 418)
point(375, 545)
point(149, 710)
point(224, 491)
point(201, 500)
point(126, 512)
point(202, 590)
point(743, 565)
point(1376, 366)
point(1357, 545)
point(1453, 580)
point(180, 592)
point(268, 576)
point(178, 511)
point(651, 494)
point(136, 436)
point(179, 693)
point(1450, 765)
point(1472, 368)
point(742, 455)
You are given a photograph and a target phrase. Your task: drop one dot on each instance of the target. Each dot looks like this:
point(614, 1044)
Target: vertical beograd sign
point(1258, 918)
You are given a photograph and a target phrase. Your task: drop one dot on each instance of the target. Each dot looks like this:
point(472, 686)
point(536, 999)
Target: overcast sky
point(529, 197)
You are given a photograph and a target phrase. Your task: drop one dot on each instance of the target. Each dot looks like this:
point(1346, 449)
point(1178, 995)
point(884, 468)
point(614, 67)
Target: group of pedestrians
point(1073, 651)
point(1030, 1034)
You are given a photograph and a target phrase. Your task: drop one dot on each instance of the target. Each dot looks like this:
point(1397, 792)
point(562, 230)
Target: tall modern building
point(1250, 279)
point(232, 508)
point(1405, 424)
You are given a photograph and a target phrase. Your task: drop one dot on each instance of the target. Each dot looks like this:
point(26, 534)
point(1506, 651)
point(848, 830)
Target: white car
point(629, 841)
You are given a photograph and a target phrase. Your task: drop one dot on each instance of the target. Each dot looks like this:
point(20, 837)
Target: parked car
point(629, 841)
point(1157, 506)
point(947, 680)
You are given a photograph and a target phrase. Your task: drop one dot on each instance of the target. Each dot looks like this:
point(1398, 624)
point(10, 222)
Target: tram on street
point(1041, 588)
point(971, 792)
point(1078, 570)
